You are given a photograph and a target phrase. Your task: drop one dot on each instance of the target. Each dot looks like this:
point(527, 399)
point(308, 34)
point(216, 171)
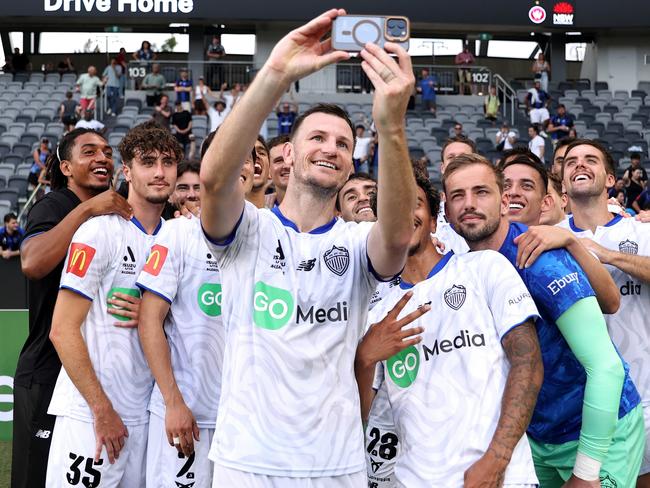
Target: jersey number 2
point(388, 447)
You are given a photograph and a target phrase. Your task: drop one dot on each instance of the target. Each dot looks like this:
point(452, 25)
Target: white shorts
point(165, 467)
point(71, 459)
point(645, 464)
point(539, 115)
point(234, 478)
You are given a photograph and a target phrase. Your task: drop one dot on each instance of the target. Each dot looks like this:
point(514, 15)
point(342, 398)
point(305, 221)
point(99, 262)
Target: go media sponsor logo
point(134, 292)
point(274, 308)
point(403, 367)
point(79, 259)
point(209, 298)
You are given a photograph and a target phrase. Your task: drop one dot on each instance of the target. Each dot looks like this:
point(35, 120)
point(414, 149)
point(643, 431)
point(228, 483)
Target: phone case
point(351, 32)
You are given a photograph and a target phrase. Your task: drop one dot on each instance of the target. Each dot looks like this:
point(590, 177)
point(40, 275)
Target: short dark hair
point(430, 192)
point(149, 137)
point(451, 140)
point(635, 155)
point(608, 161)
point(277, 141)
point(9, 217)
point(322, 108)
point(354, 176)
point(531, 163)
point(535, 127)
point(188, 167)
point(64, 152)
point(261, 139)
point(462, 160)
point(561, 105)
point(565, 141)
point(555, 182)
point(519, 150)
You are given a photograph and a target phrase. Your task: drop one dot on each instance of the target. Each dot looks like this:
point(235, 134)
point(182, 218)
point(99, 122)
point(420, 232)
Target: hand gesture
point(181, 428)
point(109, 202)
point(386, 338)
point(301, 52)
point(393, 82)
point(538, 239)
point(110, 432)
point(126, 306)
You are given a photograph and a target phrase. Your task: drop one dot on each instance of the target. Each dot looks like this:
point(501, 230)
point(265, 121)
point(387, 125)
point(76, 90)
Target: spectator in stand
point(560, 124)
point(19, 61)
point(154, 84)
point(642, 202)
point(69, 112)
point(88, 84)
point(111, 78)
point(121, 60)
point(40, 155)
point(217, 114)
point(634, 186)
point(199, 108)
point(201, 94)
point(491, 105)
point(90, 122)
point(286, 116)
point(361, 150)
point(184, 88)
point(536, 145)
point(162, 113)
point(65, 66)
point(279, 170)
point(464, 60)
point(233, 96)
point(458, 131)
point(11, 236)
point(573, 133)
point(618, 186)
point(505, 139)
point(427, 88)
point(635, 163)
point(181, 123)
point(145, 53)
point(621, 197)
point(536, 103)
point(542, 70)
point(216, 52)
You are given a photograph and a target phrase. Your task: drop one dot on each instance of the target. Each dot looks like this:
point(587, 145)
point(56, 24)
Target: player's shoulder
point(485, 257)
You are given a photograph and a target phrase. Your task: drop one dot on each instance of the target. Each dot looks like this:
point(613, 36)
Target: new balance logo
point(307, 265)
point(43, 434)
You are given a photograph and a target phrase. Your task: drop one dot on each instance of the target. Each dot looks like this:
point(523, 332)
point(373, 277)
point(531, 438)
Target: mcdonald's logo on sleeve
point(79, 259)
point(156, 260)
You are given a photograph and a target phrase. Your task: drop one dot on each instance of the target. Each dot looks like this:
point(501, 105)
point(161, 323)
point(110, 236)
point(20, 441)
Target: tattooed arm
point(519, 398)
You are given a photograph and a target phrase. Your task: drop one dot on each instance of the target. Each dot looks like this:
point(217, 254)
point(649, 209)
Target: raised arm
point(636, 266)
point(69, 313)
point(517, 404)
point(393, 82)
point(298, 54)
point(179, 420)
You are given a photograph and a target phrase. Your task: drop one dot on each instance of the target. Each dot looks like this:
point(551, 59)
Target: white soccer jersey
point(106, 256)
point(383, 289)
point(628, 327)
point(184, 272)
point(294, 307)
point(451, 239)
point(446, 391)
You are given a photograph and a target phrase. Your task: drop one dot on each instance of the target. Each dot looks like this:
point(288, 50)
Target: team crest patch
point(337, 260)
point(628, 247)
point(608, 482)
point(455, 296)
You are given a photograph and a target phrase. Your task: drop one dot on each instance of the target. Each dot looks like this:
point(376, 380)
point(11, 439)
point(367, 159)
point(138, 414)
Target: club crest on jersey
point(337, 260)
point(628, 247)
point(455, 296)
point(156, 260)
point(79, 259)
point(607, 482)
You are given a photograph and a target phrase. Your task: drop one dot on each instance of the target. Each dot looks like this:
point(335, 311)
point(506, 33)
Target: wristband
point(586, 468)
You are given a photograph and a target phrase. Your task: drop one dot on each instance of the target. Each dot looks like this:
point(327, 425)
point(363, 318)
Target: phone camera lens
point(392, 23)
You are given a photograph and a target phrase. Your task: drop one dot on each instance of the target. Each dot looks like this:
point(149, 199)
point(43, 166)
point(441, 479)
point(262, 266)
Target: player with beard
point(353, 199)
point(297, 280)
point(183, 337)
point(261, 179)
point(587, 422)
point(623, 245)
point(460, 416)
point(102, 393)
point(278, 169)
point(80, 172)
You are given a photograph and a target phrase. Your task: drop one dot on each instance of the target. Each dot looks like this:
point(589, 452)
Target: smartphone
point(351, 32)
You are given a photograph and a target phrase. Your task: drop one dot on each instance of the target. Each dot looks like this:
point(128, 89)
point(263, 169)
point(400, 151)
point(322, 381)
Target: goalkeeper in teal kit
point(587, 425)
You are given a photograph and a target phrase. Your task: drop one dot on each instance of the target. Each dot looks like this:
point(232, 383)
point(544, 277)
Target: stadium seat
point(5, 207)
point(13, 159)
point(601, 85)
point(133, 102)
point(19, 183)
point(11, 195)
point(70, 78)
point(23, 170)
point(22, 149)
point(52, 77)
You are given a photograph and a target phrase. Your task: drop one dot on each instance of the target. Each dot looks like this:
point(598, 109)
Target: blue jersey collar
point(404, 285)
point(288, 223)
point(575, 228)
point(137, 223)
